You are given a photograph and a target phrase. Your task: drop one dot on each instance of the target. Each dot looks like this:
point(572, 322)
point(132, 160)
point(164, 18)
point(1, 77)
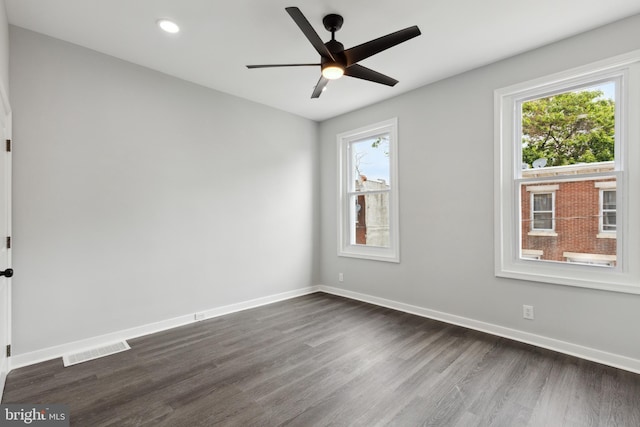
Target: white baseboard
point(594, 355)
point(25, 359)
point(599, 356)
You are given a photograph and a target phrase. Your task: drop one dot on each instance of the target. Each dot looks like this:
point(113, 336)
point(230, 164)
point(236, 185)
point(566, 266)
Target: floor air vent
point(94, 353)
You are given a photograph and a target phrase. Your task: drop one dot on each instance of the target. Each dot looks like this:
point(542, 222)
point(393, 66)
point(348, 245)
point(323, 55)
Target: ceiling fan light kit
point(332, 71)
point(335, 61)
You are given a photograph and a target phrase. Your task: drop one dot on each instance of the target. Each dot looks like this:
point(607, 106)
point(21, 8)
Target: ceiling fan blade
point(282, 65)
point(360, 72)
point(309, 32)
point(365, 50)
point(319, 87)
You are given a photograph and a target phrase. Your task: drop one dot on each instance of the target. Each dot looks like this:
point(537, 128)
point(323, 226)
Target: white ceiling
point(218, 38)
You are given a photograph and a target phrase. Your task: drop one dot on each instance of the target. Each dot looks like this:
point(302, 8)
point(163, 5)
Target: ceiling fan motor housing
point(337, 49)
point(332, 22)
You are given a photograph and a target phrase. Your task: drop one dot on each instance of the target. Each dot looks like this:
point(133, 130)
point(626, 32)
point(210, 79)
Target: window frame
point(625, 277)
point(346, 245)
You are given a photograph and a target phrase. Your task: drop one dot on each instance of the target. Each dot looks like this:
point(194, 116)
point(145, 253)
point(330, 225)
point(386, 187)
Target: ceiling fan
point(335, 61)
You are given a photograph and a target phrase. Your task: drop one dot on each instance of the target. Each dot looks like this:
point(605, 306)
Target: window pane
point(609, 210)
point(609, 200)
point(565, 226)
point(370, 219)
point(542, 202)
point(370, 167)
point(609, 221)
point(569, 128)
point(542, 221)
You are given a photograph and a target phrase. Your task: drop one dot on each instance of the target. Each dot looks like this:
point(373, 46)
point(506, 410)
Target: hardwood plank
point(323, 360)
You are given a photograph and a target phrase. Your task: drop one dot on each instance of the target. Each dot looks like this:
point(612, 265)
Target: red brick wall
point(577, 207)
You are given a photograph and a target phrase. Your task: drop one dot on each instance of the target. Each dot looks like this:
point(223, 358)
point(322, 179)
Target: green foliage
point(384, 140)
point(568, 128)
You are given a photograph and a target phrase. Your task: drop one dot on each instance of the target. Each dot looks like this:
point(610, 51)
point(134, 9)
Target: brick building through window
point(572, 219)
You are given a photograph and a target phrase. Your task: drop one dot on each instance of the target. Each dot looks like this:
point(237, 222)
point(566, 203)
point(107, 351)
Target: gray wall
point(4, 47)
point(139, 197)
point(446, 206)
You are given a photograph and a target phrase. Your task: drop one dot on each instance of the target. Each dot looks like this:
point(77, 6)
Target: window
point(541, 220)
point(368, 205)
point(566, 146)
point(607, 217)
point(542, 211)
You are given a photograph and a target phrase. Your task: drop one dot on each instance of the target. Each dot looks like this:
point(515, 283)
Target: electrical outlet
point(340, 277)
point(527, 312)
point(199, 316)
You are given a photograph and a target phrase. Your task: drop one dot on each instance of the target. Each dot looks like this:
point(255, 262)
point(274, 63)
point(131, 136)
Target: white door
point(5, 231)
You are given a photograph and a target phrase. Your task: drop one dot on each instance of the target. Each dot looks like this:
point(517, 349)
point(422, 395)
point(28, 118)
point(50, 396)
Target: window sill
point(532, 253)
point(591, 277)
point(543, 233)
point(372, 254)
point(606, 235)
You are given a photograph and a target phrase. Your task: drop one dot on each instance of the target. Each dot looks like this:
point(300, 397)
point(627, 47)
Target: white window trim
point(625, 277)
point(345, 247)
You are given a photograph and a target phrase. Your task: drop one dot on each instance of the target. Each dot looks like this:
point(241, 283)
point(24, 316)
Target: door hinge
point(9, 350)
point(8, 145)
point(8, 242)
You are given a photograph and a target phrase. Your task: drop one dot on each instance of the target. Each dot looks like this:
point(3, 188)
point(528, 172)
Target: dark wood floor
point(325, 360)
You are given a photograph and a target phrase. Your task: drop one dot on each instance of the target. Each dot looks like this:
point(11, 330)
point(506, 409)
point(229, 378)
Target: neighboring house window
point(563, 145)
point(368, 203)
point(542, 211)
point(607, 217)
point(608, 210)
point(541, 221)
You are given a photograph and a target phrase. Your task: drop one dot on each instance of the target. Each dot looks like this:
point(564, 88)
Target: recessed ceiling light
point(168, 26)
